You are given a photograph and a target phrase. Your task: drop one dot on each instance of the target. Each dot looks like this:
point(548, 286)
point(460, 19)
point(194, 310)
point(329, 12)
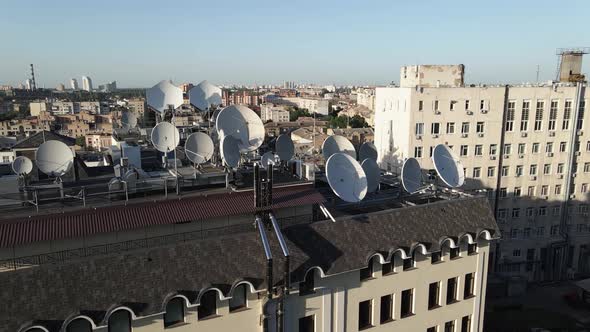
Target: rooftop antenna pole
point(538, 70)
point(33, 84)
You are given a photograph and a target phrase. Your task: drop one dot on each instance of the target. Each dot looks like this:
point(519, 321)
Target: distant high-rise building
point(60, 87)
point(108, 87)
point(74, 84)
point(29, 84)
point(86, 83)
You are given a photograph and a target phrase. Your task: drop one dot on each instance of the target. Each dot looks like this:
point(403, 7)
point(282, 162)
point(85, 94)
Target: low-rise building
point(270, 112)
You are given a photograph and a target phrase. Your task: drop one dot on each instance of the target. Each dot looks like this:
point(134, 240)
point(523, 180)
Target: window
point(469, 288)
point(471, 248)
point(466, 324)
point(562, 146)
point(388, 268)
point(420, 105)
point(306, 324)
point(567, 113)
point(502, 213)
point(539, 115)
point(435, 257)
point(418, 152)
point(465, 128)
point(536, 147)
point(307, 287)
point(503, 192)
point(454, 253)
point(476, 172)
point(542, 210)
point(467, 104)
point(560, 168)
point(516, 253)
point(584, 188)
point(365, 314)
point(435, 128)
point(547, 169)
point(482, 105)
point(420, 129)
point(479, 127)
point(524, 116)
point(580, 122)
point(409, 263)
point(407, 308)
point(478, 150)
point(586, 167)
point(587, 145)
point(77, 325)
point(491, 171)
point(517, 191)
point(386, 309)
point(208, 305)
point(521, 148)
point(558, 189)
point(530, 211)
point(493, 149)
point(505, 170)
point(509, 126)
point(450, 326)
point(516, 213)
point(451, 290)
point(435, 106)
point(554, 229)
point(239, 298)
point(544, 190)
point(553, 114)
point(434, 295)
point(531, 191)
point(556, 210)
point(432, 329)
point(549, 147)
point(174, 312)
point(518, 170)
point(533, 169)
point(450, 127)
point(540, 231)
point(464, 150)
point(367, 272)
point(507, 149)
point(453, 105)
point(120, 321)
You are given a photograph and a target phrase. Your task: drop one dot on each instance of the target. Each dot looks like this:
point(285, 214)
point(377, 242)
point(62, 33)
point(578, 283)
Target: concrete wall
point(432, 76)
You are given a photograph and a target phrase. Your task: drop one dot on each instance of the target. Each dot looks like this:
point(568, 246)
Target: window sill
point(209, 317)
point(407, 315)
point(455, 258)
point(452, 302)
point(389, 274)
point(410, 268)
point(472, 254)
point(240, 309)
point(365, 327)
point(387, 321)
point(468, 297)
point(435, 307)
point(171, 326)
point(438, 262)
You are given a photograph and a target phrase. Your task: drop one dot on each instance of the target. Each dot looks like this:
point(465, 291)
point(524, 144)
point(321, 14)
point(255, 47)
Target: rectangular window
point(581, 115)
point(560, 168)
point(507, 149)
point(476, 172)
point(407, 308)
point(419, 129)
point(478, 150)
point(524, 117)
point(539, 115)
point(435, 257)
point(207, 306)
point(518, 170)
point(464, 150)
point(531, 191)
point(465, 128)
point(509, 126)
point(567, 113)
point(483, 105)
point(517, 191)
point(467, 105)
point(503, 192)
point(558, 189)
point(562, 146)
point(540, 231)
point(544, 190)
point(450, 127)
point(505, 170)
point(547, 169)
point(466, 324)
point(453, 105)
point(365, 314)
point(536, 147)
point(432, 329)
point(434, 295)
point(469, 288)
point(533, 170)
point(556, 211)
point(491, 171)
point(553, 114)
point(306, 324)
point(515, 213)
point(450, 326)
point(418, 152)
point(521, 148)
point(451, 290)
point(542, 210)
point(388, 268)
point(420, 105)
point(386, 309)
point(586, 167)
point(584, 188)
point(435, 128)
point(435, 106)
point(549, 147)
point(479, 127)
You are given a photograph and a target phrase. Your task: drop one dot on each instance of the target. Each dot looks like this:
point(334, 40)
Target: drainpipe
point(286, 276)
point(499, 170)
point(268, 254)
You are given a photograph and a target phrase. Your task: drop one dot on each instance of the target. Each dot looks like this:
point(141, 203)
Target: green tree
point(358, 121)
point(81, 141)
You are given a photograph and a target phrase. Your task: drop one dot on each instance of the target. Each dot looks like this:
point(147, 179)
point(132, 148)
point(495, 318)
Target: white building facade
point(86, 83)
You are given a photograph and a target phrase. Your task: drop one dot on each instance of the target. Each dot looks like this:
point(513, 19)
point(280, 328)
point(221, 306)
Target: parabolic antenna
point(411, 175)
point(268, 159)
point(230, 151)
point(368, 150)
point(54, 158)
point(373, 173)
point(199, 147)
point(204, 95)
point(128, 119)
point(243, 124)
point(284, 147)
point(346, 177)
point(22, 165)
point(163, 94)
point(335, 144)
point(448, 166)
point(165, 137)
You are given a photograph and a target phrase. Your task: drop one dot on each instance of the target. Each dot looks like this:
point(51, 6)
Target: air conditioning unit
point(437, 112)
point(545, 197)
point(549, 154)
point(533, 178)
point(560, 176)
point(464, 135)
point(506, 156)
point(578, 153)
point(517, 175)
point(580, 133)
point(572, 196)
point(418, 137)
point(521, 156)
point(434, 135)
point(574, 175)
point(480, 134)
point(484, 111)
point(469, 113)
point(523, 134)
point(492, 157)
point(551, 133)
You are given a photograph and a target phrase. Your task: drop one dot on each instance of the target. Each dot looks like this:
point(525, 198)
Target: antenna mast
point(33, 84)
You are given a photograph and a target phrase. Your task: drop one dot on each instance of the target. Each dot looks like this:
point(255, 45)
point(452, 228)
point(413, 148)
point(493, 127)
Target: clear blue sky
point(139, 43)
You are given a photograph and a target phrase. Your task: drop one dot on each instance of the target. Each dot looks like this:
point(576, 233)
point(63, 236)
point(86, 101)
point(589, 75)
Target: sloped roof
point(37, 139)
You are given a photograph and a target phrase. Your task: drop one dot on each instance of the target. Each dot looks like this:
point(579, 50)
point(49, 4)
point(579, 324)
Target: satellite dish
point(163, 94)
point(335, 144)
point(230, 151)
point(22, 165)
point(204, 95)
point(54, 158)
point(268, 159)
point(130, 177)
point(128, 119)
point(165, 137)
point(368, 150)
point(448, 166)
point(213, 118)
point(284, 147)
point(346, 177)
point(373, 173)
point(243, 124)
point(411, 175)
point(115, 184)
point(199, 147)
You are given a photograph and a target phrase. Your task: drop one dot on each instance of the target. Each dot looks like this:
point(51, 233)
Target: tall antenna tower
point(33, 84)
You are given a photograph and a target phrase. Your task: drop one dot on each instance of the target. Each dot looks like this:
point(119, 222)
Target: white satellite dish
point(448, 166)
point(165, 137)
point(373, 173)
point(243, 124)
point(163, 94)
point(22, 165)
point(411, 176)
point(128, 119)
point(204, 95)
point(230, 151)
point(368, 150)
point(335, 144)
point(346, 177)
point(199, 147)
point(54, 158)
point(284, 147)
point(269, 159)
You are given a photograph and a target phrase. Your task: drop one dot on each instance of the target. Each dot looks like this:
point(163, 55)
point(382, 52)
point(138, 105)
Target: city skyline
point(329, 43)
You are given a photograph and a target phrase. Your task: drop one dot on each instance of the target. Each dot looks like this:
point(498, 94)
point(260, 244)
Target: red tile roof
point(111, 219)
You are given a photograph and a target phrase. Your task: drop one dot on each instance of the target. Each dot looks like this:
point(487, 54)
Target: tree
point(339, 121)
point(296, 112)
point(81, 141)
point(358, 121)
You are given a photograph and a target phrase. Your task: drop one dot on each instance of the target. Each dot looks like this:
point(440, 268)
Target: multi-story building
point(240, 97)
point(86, 83)
point(270, 112)
point(313, 105)
point(366, 97)
point(74, 84)
point(98, 141)
point(526, 144)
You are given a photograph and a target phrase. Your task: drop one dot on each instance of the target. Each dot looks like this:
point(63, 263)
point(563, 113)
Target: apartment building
point(270, 112)
point(527, 145)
